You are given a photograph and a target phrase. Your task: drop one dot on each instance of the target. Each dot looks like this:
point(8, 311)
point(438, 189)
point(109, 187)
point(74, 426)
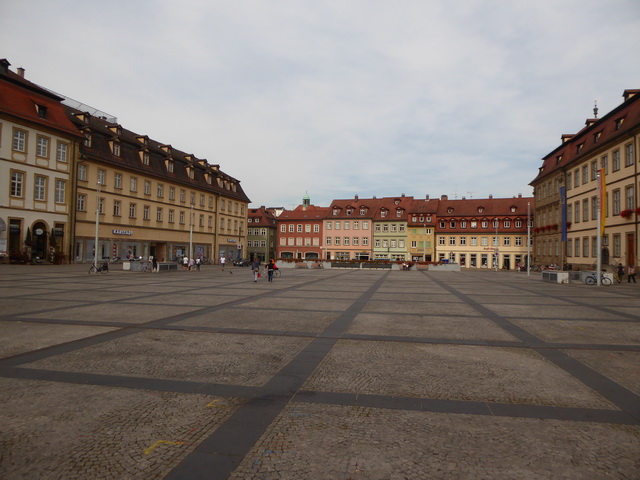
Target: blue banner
point(563, 203)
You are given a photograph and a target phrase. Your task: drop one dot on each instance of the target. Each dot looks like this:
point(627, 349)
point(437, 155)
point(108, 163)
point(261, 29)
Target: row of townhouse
point(71, 177)
point(476, 233)
point(595, 171)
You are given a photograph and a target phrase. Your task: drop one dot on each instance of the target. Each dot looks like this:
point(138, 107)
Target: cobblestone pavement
point(322, 374)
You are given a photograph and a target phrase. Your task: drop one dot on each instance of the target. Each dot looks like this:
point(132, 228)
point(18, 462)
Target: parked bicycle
point(593, 279)
point(102, 268)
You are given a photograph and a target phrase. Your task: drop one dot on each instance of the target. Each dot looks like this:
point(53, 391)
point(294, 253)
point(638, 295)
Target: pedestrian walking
point(271, 266)
point(631, 274)
point(192, 263)
point(222, 261)
point(255, 268)
point(154, 264)
point(185, 262)
point(198, 262)
point(620, 272)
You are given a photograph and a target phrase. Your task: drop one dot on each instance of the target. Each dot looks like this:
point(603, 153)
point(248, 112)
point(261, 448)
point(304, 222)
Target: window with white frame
point(327, 241)
point(81, 203)
point(316, 228)
point(171, 216)
point(40, 188)
point(60, 191)
point(473, 241)
point(159, 214)
point(116, 208)
point(19, 140)
point(133, 184)
point(442, 241)
point(132, 210)
point(147, 187)
point(42, 146)
point(365, 241)
point(61, 152)
point(102, 177)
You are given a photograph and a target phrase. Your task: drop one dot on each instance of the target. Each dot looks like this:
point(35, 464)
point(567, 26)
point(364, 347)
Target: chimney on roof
point(4, 66)
point(356, 197)
point(566, 137)
point(519, 195)
point(629, 93)
point(20, 71)
point(427, 197)
point(402, 195)
point(491, 195)
point(444, 197)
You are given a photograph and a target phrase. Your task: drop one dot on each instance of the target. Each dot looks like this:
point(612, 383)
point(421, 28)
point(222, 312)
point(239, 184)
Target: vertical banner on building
point(602, 196)
point(563, 209)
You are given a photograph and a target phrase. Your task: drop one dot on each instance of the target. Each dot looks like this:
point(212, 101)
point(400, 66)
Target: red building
point(300, 231)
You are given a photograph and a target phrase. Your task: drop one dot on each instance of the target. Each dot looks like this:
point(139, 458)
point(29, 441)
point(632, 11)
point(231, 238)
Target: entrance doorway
point(631, 249)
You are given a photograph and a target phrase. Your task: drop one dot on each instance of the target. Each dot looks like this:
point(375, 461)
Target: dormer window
point(349, 212)
point(619, 123)
point(513, 209)
point(596, 137)
point(87, 138)
point(399, 212)
point(41, 110)
point(414, 219)
point(421, 220)
point(579, 148)
point(449, 210)
point(363, 211)
point(383, 213)
point(480, 209)
point(190, 172)
point(397, 202)
point(335, 212)
point(428, 219)
point(145, 158)
point(169, 164)
point(116, 149)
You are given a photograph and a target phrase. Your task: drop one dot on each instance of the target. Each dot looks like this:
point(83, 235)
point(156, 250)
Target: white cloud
point(340, 97)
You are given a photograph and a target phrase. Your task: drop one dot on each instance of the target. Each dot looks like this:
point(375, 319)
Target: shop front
point(231, 249)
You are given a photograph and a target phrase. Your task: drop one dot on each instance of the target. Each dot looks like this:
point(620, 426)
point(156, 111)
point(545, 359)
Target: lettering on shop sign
point(122, 232)
point(231, 240)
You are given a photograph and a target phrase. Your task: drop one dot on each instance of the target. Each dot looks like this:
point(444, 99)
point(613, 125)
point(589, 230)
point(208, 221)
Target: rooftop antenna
point(595, 109)
point(470, 194)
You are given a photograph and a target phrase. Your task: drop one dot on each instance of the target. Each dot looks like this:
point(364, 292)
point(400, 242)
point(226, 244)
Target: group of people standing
point(631, 273)
point(255, 268)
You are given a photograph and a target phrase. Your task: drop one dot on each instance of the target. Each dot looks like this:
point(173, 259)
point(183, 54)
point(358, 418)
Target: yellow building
point(607, 146)
point(151, 199)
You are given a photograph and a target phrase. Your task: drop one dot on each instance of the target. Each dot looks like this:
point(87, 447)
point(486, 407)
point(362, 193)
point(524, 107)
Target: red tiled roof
point(19, 98)
point(607, 128)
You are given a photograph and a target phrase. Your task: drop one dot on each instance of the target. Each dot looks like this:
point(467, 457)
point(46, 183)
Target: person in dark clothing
point(255, 268)
point(620, 272)
point(271, 266)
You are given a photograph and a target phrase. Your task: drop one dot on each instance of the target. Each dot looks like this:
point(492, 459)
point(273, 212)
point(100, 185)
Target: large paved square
point(322, 374)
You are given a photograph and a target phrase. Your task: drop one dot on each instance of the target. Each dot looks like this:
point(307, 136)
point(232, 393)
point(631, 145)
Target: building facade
point(38, 145)
point(262, 233)
point(421, 223)
point(300, 232)
point(604, 153)
point(147, 198)
point(348, 229)
point(484, 233)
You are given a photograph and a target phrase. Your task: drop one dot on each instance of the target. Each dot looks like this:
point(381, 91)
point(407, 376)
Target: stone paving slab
point(428, 326)
point(268, 320)
point(336, 442)
point(163, 354)
point(433, 307)
point(623, 367)
point(115, 312)
point(473, 373)
point(116, 433)
point(20, 337)
point(588, 332)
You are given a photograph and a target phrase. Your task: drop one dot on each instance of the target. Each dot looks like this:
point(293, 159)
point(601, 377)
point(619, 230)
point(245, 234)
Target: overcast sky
point(337, 98)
